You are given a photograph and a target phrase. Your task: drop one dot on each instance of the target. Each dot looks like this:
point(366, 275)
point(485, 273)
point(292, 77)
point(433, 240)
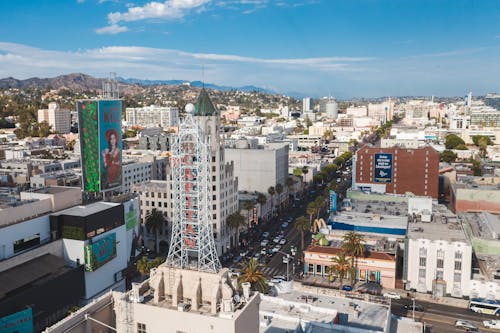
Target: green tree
point(143, 266)
point(250, 272)
point(341, 266)
point(154, 223)
point(453, 140)
point(235, 221)
point(320, 203)
point(44, 129)
point(448, 156)
point(297, 172)
point(353, 246)
point(311, 210)
point(302, 225)
point(461, 147)
point(279, 190)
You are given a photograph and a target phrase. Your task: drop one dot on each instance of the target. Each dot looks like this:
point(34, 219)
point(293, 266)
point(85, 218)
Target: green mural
point(89, 144)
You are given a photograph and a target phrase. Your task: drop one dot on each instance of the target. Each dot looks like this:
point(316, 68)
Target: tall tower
point(192, 242)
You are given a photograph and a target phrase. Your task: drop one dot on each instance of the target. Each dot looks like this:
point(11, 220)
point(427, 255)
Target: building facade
point(59, 119)
point(152, 116)
point(397, 170)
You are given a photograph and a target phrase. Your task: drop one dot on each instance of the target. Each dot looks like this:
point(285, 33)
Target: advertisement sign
point(89, 144)
point(100, 252)
point(19, 322)
point(333, 202)
point(131, 216)
point(110, 144)
point(383, 168)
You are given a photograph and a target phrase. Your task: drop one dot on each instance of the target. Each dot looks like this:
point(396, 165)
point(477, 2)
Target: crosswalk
point(272, 271)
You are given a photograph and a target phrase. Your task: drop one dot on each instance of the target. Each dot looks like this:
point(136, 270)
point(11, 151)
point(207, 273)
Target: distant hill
point(74, 81)
point(197, 84)
point(84, 82)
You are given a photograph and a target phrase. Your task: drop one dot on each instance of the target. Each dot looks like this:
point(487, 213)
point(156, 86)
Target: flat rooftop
point(392, 208)
point(30, 273)
point(286, 310)
point(55, 189)
point(88, 209)
point(451, 232)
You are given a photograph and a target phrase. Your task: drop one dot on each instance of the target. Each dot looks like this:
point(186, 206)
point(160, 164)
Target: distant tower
point(110, 89)
point(192, 243)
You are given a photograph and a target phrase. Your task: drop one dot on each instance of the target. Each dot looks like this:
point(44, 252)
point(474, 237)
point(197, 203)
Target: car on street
point(237, 259)
point(273, 281)
point(347, 288)
point(492, 324)
point(284, 224)
point(276, 239)
point(392, 294)
point(418, 307)
point(263, 251)
point(257, 255)
point(276, 248)
point(244, 253)
point(279, 277)
point(265, 234)
point(265, 242)
point(465, 324)
point(282, 241)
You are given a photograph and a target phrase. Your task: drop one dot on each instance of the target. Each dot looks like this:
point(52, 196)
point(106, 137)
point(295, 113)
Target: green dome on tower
point(203, 105)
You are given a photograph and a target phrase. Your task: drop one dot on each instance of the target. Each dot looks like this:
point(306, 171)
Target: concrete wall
point(54, 248)
point(14, 232)
point(23, 212)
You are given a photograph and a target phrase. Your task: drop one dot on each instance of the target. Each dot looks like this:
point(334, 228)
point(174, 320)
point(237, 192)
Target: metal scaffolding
point(192, 243)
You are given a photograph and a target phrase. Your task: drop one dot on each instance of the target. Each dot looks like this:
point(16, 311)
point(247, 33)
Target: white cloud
point(111, 30)
point(168, 10)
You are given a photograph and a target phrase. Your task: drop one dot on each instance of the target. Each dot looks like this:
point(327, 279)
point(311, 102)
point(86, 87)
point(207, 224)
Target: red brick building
point(398, 170)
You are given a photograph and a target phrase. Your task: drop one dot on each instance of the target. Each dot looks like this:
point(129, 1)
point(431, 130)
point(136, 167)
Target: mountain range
point(84, 82)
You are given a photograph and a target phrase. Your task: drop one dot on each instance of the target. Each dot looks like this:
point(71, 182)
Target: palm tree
point(302, 225)
point(143, 266)
point(320, 203)
point(311, 210)
point(353, 247)
point(250, 272)
point(248, 205)
point(154, 223)
point(271, 192)
point(235, 221)
point(341, 267)
point(279, 190)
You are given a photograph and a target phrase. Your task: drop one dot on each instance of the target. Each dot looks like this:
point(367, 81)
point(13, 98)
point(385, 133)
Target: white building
point(357, 111)
point(438, 258)
point(307, 104)
point(59, 119)
point(152, 116)
point(142, 168)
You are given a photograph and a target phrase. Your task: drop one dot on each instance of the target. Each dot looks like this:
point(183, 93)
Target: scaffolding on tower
point(192, 244)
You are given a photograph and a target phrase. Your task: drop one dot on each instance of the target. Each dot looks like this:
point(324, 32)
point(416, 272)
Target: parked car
point(492, 324)
point(282, 241)
point(465, 324)
point(347, 288)
point(418, 307)
point(265, 242)
point(392, 294)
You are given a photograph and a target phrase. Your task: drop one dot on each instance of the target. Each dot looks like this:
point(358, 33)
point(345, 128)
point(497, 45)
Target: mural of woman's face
point(112, 140)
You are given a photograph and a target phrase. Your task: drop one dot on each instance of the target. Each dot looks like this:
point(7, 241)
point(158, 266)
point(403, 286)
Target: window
point(423, 252)
point(457, 277)
point(421, 273)
point(439, 275)
point(458, 255)
point(423, 261)
point(440, 253)
point(141, 328)
point(440, 263)
point(458, 265)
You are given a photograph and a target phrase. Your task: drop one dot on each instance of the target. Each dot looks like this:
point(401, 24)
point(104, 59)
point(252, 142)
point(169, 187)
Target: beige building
point(59, 119)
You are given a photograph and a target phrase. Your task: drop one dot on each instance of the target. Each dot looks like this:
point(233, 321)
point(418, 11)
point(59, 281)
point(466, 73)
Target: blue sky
point(349, 48)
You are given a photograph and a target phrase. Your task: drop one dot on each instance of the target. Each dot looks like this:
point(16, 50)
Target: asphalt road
point(439, 317)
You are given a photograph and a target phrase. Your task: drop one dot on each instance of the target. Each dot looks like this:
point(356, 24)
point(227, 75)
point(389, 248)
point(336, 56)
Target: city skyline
point(313, 47)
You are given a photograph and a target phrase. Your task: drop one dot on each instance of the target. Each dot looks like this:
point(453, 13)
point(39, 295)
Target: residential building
point(307, 104)
point(59, 119)
point(152, 116)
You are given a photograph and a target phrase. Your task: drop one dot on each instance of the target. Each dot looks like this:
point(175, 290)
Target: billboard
point(19, 322)
point(383, 168)
point(333, 202)
point(100, 252)
point(110, 144)
point(88, 129)
point(131, 215)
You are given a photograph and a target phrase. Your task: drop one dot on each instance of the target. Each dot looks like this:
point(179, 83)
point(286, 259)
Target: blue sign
point(100, 252)
point(19, 322)
point(383, 168)
point(333, 202)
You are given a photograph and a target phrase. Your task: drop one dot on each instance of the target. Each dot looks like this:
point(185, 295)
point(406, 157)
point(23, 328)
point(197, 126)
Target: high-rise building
point(307, 104)
point(152, 116)
point(59, 119)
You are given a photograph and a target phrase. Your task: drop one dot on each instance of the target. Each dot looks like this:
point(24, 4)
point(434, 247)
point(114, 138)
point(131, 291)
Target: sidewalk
point(451, 301)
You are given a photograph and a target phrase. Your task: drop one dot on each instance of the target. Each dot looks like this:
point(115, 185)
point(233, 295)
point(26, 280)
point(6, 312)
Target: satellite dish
point(236, 298)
